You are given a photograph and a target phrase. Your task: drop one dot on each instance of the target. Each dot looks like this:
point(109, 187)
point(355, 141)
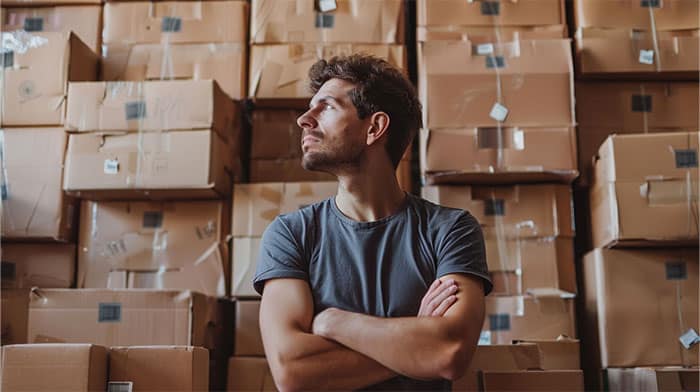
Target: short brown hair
point(379, 86)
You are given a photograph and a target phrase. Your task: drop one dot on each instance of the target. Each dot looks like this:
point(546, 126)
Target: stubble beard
point(343, 158)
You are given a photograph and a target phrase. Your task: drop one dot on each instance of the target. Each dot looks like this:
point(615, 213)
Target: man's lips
point(308, 139)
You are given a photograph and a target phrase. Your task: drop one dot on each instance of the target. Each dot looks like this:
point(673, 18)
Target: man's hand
point(439, 298)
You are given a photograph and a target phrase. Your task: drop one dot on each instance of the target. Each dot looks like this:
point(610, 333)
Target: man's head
point(360, 103)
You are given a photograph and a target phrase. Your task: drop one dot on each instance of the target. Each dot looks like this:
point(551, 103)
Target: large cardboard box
point(248, 340)
point(639, 15)
point(618, 53)
point(512, 211)
point(474, 151)
point(490, 13)
point(148, 165)
point(174, 22)
point(658, 379)
point(26, 265)
point(284, 170)
point(158, 245)
point(34, 206)
point(14, 317)
point(275, 134)
point(656, 291)
point(224, 62)
point(25, 3)
point(562, 353)
point(249, 374)
point(84, 20)
point(54, 367)
point(37, 67)
point(159, 368)
point(281, 71)
point(628, 193)
point(536, 381)
point(531, 79)
point(358, 21)
point(604, 108)
point(533, 316)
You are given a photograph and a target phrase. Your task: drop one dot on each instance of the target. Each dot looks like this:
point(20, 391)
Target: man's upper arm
point(286, 307)
point(466, 315)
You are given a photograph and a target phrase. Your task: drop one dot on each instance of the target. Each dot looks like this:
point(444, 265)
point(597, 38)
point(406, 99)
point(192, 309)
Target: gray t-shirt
point(381, 268)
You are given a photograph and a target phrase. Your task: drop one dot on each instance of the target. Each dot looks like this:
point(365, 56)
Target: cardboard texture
point(506, 357)
point(284, 170)
point(54, 367)
point(36, 76)
point(198, 161)
point(604, 108)
point(628, 193)
point(638, 303)
point(248, 341)
point(160, 368)
point(244, 258)
point(664, 379)
point(512, 211)
point(484, 13)
point(24, 3)
point(166, 245)
point(557, 354)
point(488, 149)
point(15, 314)
point(532, 79)
point(281, 71)
point(618, 51)
point(34, 206)
point(224, 62)
point(632, 14)
point(26, 265)
point(549, 380)
point(275, 134)
point(489, 34)
point(358, 21)
point(175, 22)
point(85, 21)
point(519, 265)
point(527, 317)
point(249, 374)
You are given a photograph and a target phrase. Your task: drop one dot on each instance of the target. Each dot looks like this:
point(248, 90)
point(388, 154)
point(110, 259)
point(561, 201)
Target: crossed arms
point(343, 350)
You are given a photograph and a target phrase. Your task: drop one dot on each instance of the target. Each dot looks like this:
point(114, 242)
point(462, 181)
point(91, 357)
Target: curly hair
point(379, 86)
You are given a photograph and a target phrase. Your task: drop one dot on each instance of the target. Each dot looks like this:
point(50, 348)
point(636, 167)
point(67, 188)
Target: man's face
point(333, 135)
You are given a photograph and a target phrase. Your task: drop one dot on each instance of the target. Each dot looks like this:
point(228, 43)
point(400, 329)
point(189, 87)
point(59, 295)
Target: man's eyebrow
point(324, 99)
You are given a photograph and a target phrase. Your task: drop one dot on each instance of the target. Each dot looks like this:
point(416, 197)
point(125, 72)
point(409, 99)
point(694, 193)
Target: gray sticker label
point(109, 312)
point(494, 207)
point(499, 322)
point(495, 62)
point(171, 24)
point(3, 191)
point(120, 386)
point(8, 59)
point(152, 219)
point(135, 110)
point(492, 8)
point(8, 270)
point(34, 24)
point(676, 270)
point(650, 3)
point(686, 158)
point(324, 21)
point(641, 103)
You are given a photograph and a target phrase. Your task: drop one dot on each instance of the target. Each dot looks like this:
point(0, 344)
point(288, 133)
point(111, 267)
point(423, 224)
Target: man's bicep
point(466, 315)
point(286, 304)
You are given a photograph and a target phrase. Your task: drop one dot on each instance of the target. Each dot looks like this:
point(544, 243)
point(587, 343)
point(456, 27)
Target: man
point(373, 288)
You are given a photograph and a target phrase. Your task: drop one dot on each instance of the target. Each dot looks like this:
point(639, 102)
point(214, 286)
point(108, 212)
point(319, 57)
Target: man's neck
point(369, 195)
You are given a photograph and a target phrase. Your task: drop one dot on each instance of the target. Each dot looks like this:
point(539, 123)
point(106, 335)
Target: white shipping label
point(111, 166)
point(689, 338)
point(485, 338)
point(484, 49)
point(646, 56)
point(498, 112)
point(327, 5)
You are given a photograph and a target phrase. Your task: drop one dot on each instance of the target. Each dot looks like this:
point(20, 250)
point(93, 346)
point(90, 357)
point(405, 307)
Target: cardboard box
point(248, 340)
point(547, 380)
point(159, 368)
point(506, 357)
point(249, 374)
point(520, 265)
point(34, 206)
point(488, 34)
point(165, 245)
point(36, 75)
point(652, 379)
point(175, 22)
point(618, 52)
point(557, 354)
point(275, 134)
point(149, 165)
point(284, 170)
point(514, 211)
point(358, 21)
point(244, 261)
point(650, 289)
point(281, 71)
point(632, 14)
point(26, 265)
point(15, 313)
point(628, 193)
point(527, 317)
point(532, 79)
point(54, 367)
point(472, 151)
point(490, 13)
point(20, 3)
point(224, 62)
point(85, 21)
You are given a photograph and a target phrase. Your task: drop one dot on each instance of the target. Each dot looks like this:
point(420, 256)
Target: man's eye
point(327, 107)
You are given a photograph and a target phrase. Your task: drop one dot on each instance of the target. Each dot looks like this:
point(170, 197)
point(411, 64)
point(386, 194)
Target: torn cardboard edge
point(499, 177)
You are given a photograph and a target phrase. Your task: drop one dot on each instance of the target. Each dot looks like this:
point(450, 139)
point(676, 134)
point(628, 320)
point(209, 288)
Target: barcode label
point(494, 207)
point(110, 312)
point(484, 49)
point(34, 24)
point(495, 62)
point(327, 5)
point(676, 270)
point(650, 3)
point(646, 56)
point(8, 59)
point(135, 110)
point(490, 8)
point(499, 322)
point(111, 166)
point(324, 21)
point(152, 219)
point(686, 159)
point(171, 25)
point(120, 386)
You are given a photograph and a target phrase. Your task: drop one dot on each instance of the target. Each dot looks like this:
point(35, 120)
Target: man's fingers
point(444, 293)
point(444, 305)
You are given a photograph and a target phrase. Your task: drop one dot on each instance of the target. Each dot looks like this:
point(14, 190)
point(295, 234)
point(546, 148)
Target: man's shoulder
point(438, 214)
point(302, 218)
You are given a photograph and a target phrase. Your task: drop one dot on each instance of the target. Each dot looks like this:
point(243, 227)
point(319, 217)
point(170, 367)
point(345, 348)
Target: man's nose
point(306, 120)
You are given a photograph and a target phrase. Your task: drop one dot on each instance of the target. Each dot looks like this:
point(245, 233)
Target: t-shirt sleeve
point(462, 251)
point(280, 256)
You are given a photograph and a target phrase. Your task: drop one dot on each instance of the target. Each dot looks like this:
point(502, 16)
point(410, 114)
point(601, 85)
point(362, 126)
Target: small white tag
point(689, 338)
point(484, 49)
point(498, 112)
point(518, 140)
point(327, 5)
point(646, 56)
point(485, 338)
point(111, 166)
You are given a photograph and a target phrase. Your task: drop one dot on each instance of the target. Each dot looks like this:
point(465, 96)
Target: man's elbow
point(287, 379)
point(455, 361)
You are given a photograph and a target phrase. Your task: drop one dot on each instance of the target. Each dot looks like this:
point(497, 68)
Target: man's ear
point(378, 127)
